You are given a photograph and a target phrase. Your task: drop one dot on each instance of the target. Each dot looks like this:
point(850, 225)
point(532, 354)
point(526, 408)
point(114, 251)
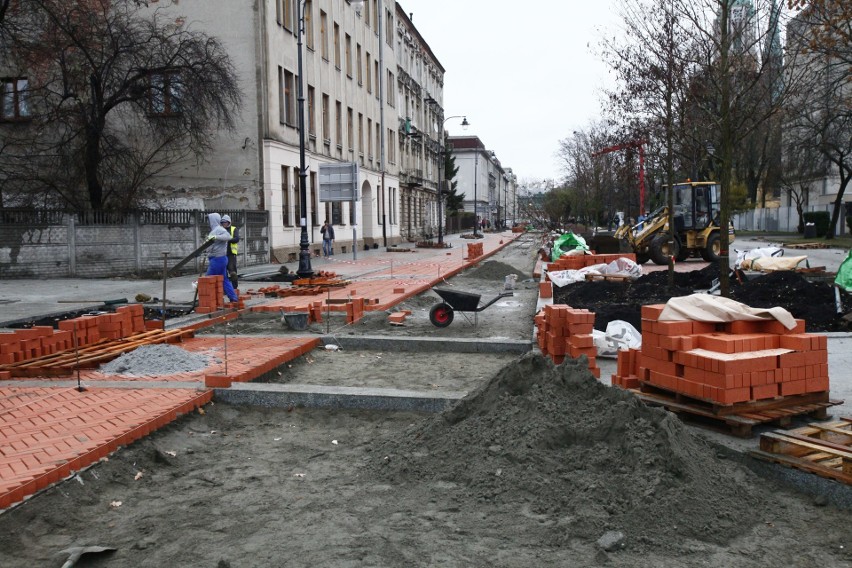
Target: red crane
point(634, 144)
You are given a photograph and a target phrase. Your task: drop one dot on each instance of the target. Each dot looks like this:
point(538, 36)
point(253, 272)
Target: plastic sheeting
point(618, 267)
point(705, 307)
point(770, 263)
point(619, 334)
point(568, 242)
point(844, 273)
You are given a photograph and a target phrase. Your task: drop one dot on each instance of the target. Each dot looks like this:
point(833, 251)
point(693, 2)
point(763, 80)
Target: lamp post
point(442, 170)
point(305, 270)
point(475, 207)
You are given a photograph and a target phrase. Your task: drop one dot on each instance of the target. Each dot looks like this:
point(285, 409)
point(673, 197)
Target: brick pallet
point(758, 371)
point(566, 331)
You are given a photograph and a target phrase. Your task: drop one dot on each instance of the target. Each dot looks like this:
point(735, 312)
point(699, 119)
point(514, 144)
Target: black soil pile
point(812, 301)
point(555, 443)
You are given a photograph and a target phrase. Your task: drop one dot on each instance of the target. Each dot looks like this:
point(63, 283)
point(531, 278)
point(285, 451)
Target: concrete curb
point(429, 344)
point(319, 396)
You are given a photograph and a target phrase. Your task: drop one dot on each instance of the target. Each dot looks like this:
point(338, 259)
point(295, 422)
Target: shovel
point(75, 552)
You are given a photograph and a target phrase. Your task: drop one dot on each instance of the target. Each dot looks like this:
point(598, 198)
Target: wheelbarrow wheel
point(441, 315)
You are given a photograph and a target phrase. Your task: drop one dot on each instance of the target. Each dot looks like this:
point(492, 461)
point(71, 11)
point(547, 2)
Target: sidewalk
point(49, 430)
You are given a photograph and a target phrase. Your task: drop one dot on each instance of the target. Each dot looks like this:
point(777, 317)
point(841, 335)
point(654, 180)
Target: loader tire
point(659, 249)
point(642, 257)
point(710, 253)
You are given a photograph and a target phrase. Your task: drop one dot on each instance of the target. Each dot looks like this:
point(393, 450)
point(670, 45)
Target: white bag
point(619, 335)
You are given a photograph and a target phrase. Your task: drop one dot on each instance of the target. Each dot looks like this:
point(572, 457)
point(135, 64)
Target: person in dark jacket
point(233, 249)
point(217, 254)
point(327, 232)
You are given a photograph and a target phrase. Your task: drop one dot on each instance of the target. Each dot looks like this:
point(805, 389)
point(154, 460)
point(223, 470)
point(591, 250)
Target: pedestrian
point(233, 249)
point(217, 254)
point(327, 232)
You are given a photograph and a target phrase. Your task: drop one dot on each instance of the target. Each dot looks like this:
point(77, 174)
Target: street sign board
point(338, 182)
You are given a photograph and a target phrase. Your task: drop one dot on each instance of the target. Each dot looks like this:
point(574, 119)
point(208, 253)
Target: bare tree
point(116, 93)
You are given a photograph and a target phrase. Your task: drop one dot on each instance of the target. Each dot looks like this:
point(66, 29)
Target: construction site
point(479, 404)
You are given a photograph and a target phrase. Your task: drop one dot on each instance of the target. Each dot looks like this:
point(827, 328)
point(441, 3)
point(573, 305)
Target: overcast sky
point(523, 73)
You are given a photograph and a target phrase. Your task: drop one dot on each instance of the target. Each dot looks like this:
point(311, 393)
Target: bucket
point(297, 321)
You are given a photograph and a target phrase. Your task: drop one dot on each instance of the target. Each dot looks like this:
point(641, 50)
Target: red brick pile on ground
point(474, 250)
point(563, 330)
point(568, 262)
point(726, 363)
point(211, 295)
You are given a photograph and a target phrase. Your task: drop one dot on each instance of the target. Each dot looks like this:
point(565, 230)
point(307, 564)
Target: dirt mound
point(494, 270)
point(553, 441)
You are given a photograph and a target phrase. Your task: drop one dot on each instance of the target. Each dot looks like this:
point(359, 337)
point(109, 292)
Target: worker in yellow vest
point(233, 249)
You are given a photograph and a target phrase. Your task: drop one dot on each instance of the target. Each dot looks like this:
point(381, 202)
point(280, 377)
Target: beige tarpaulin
point(770, 263)
point(705, 307)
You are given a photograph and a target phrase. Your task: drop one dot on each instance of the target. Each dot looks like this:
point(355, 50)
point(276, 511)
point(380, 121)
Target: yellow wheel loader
point(696, 220)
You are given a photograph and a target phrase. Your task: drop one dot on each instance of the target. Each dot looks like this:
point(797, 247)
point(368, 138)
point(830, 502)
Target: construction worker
point(233, 249)
point(217, 255)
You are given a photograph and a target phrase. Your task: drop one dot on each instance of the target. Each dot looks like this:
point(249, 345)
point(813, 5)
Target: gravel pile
point(153, 360)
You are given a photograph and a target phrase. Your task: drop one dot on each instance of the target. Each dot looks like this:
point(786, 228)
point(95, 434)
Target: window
point(314, 200)
point(287, 97)
point(352, 219)
point(379, 139)
point(285, 13)
point(350, 134)
point(361, 134)
point(15, 104)
point(375, 14)
point(390, 89)
point(391, 146)
point(369, 75)
point(339, 123)
point(312, 130)
point(285, 196)
point(370, 139)
point(389, 28)
point(326, 120)
point(366, 10)
point(337, 46)
point(324, 35)
point(164, 93)
point(358, 73)
point(336, 213)
point(348, 56)
point(376, 75)
point(309, 24)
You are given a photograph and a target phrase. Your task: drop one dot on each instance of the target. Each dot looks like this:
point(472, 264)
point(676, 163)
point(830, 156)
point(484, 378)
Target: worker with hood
point(217, 254)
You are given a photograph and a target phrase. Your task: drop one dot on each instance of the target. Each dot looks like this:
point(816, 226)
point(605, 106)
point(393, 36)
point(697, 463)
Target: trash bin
point(297, 321)
point(810, 231)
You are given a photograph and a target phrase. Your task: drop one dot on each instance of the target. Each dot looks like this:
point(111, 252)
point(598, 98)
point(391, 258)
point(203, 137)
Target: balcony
point(411, 176)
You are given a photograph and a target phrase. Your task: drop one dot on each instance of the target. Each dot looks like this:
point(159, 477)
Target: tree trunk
point(838, 204)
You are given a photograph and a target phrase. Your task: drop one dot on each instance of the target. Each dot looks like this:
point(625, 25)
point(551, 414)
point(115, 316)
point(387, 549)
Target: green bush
point(820, 219)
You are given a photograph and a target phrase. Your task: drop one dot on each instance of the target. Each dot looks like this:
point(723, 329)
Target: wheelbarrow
point(441, 315)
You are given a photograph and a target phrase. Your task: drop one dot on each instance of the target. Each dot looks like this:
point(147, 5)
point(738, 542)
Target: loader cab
point(696, 205)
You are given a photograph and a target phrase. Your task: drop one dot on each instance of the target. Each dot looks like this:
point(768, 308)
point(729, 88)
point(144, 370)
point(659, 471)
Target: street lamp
point(305, 270)
point(442, 170)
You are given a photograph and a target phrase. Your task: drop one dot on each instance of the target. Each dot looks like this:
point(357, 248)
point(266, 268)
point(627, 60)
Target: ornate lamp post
point(442, 171)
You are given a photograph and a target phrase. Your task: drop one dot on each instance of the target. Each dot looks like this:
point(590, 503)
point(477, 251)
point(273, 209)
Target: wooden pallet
point(807, 246)
point(739, 419)
point(608, 277)
point(824, 449)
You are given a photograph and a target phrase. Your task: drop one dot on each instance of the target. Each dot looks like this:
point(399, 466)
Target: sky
point(524, 73)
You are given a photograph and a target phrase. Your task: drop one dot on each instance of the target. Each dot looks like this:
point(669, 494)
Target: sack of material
point(706, 307)
point(844, 273)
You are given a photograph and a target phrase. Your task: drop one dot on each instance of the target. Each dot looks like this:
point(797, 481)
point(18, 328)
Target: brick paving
point(49, 432)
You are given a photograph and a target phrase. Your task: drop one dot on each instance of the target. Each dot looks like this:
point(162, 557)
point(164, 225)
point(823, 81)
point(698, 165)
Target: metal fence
point(51, 243)
point(782, 219)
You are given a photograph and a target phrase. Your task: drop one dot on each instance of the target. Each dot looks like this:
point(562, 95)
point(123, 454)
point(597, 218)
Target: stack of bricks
point(355, 309)
point(627, 369)
point(474, 250)
point(126, 321)
point(571, 262)
point(563, 330)
point(24, 344)
point(85, 330)
point(211, 295)
point(729, 363)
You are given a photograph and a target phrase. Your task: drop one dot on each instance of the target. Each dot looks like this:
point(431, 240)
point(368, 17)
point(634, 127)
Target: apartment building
point(488, 188)
point(356, 99)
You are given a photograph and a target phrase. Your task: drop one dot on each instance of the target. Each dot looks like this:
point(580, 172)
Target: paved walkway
point(49, 429)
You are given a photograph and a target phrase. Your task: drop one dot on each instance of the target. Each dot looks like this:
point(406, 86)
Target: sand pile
point(557, 444)
point(156, 360)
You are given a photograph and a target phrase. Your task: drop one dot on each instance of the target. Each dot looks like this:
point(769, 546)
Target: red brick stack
point(24, 344)
point(728, 363)
point(627, 369)
point(85, 328)
point(355, 310)
point(474, 250)
point(563, 330)
point(211, 295)
point(570, 262)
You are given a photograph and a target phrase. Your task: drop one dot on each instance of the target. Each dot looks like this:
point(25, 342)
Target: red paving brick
point(47, 433)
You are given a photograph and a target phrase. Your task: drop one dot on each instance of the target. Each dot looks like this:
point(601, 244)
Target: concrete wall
point(67, 248)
